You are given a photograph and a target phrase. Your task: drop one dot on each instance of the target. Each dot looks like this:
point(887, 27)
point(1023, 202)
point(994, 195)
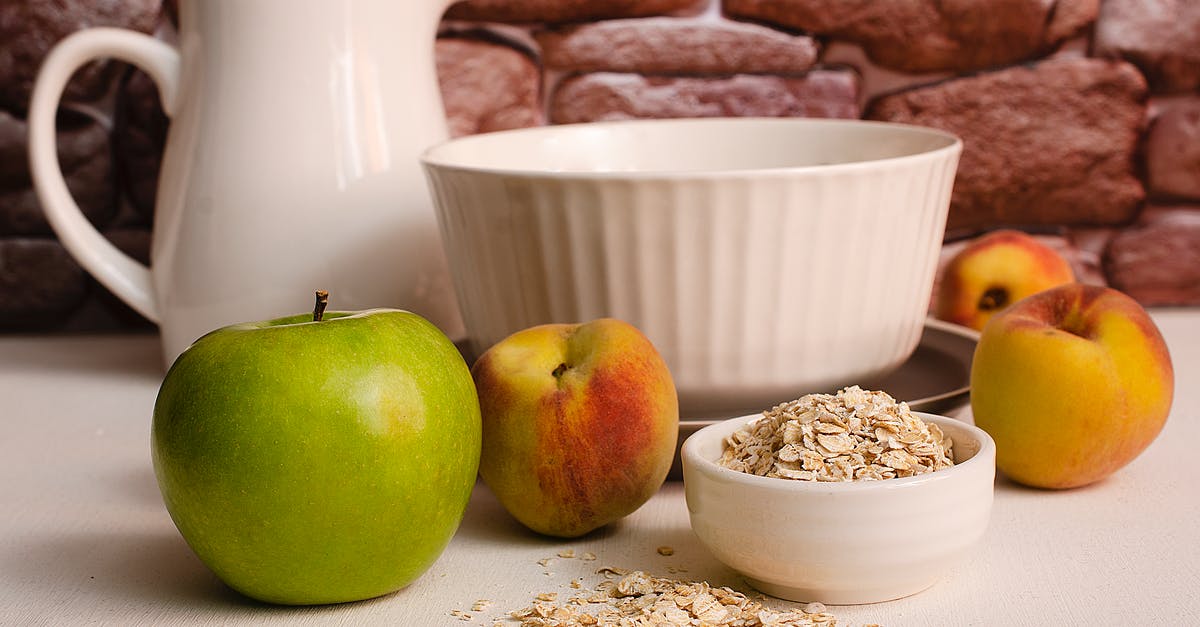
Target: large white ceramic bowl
point(840, 543)
point(765, 258)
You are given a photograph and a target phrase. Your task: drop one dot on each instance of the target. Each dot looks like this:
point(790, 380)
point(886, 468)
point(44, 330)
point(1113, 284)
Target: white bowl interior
point(688, 145)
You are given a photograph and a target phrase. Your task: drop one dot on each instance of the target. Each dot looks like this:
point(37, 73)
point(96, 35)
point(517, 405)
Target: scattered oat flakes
point(461, 615)
point(849, 436)
point(548, 596)
point(480, 605)
point(577, 583)
point(567, 553)
point(588, 556)
point(665, 550)
point(639, 600)
point(545, 561)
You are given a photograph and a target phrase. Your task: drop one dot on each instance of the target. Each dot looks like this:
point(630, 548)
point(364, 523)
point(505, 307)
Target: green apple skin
point(318, 462)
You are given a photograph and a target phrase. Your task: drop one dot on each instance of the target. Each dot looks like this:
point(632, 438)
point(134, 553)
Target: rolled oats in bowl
point(849, 436)
point(832, 535)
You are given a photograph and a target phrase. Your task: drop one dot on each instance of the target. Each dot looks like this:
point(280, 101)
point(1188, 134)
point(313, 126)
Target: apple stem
point(558, 372)
point(319, 308)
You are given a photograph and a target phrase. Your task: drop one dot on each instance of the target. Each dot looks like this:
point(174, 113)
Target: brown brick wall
point(1081, 118)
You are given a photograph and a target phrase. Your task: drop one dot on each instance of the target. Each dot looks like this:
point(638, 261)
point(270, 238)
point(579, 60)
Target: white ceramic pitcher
point(291, 163)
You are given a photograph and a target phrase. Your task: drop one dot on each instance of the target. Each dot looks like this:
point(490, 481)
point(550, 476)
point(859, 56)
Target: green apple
point(318, 458)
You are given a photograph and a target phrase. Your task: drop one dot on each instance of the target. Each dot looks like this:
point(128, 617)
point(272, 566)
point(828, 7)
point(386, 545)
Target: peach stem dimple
point(994, 298)
point(1075, 324)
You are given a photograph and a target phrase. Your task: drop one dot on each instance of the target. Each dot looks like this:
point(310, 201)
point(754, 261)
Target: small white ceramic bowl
point(765, 258)
point(840, 543)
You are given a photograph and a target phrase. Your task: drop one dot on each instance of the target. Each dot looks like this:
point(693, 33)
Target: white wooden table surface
point(84, 537)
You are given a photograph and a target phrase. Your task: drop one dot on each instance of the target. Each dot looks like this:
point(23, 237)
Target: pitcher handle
point(123, 275)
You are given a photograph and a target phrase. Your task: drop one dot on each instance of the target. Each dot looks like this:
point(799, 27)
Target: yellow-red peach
point(1073, 383)
point(995, 271)
point(580, 423)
